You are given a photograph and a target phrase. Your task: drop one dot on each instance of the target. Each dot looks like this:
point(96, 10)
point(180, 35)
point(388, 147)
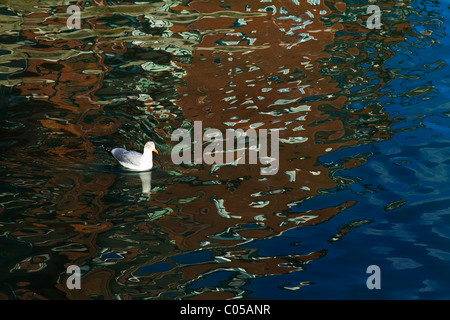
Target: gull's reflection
point(145, 176)
point(146, 180)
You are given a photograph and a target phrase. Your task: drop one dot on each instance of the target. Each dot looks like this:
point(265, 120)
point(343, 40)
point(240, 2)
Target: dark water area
point(363, 117)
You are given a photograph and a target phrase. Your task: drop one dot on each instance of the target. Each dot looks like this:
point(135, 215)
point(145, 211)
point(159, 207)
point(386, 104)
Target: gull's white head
point(150, 146)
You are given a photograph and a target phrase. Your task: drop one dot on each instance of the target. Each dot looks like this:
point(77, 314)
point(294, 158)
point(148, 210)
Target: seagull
point(134, 160)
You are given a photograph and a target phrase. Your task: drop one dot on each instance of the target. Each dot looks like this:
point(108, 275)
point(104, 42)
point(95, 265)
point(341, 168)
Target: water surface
point(363, 117)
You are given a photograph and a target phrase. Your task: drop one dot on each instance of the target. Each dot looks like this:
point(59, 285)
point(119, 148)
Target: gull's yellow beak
point(156, 151)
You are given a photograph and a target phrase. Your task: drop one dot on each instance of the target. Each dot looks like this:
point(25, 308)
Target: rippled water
point(364, 126)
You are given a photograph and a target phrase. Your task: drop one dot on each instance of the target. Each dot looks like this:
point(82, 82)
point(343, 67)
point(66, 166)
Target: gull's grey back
point(122, 155)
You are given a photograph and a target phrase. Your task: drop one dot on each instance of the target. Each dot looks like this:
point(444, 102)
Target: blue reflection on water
point(403, 191)
point(212, 280)
point(193, 257)
point(157, 267)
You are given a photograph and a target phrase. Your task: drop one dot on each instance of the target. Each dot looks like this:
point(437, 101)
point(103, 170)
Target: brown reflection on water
point(258, 75)
point(253, 65)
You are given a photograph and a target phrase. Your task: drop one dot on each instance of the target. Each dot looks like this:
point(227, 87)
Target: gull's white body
point(135, 160)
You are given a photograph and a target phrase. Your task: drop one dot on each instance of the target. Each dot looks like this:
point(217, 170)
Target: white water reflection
point(146, 180)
